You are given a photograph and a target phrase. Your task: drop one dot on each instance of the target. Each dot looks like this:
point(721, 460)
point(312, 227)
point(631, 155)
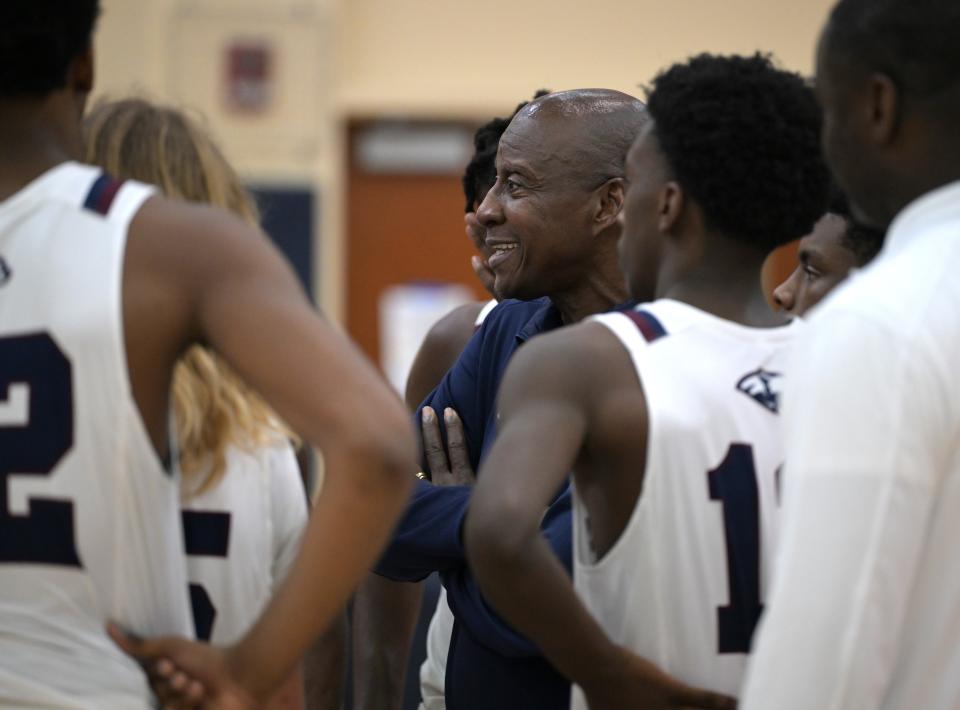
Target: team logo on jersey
point(6, 273)
point(762, 386)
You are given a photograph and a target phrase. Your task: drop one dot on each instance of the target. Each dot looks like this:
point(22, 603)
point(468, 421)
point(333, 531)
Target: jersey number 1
point(36, 432)
point(734, 484)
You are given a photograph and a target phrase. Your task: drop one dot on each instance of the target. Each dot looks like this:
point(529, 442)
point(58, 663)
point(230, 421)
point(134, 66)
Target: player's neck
point(725, 283)
point(34, 137)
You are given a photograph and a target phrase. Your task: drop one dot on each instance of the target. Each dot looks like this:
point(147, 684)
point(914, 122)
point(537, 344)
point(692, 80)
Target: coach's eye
point(512, 185)
point(810, 273)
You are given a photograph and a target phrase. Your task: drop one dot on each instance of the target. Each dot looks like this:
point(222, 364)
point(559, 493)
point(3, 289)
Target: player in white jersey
point(104, 286)
point(667, 414)
point(865, 601)
point(242, 536)
point(89, 521)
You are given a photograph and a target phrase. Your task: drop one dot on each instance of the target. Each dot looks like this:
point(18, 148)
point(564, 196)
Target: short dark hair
point(38, 40)
point(481, 171)
point(743, 139)
point(863, 241)
point(913, 41)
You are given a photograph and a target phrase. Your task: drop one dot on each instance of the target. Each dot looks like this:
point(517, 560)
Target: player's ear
point(80, 78)
point(670, 205)
point(885, 108)
point(610, 203)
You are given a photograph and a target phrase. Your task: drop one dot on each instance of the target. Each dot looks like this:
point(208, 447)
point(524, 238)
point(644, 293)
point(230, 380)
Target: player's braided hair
point(743, 139)
point(38, 40)
point(481, 171)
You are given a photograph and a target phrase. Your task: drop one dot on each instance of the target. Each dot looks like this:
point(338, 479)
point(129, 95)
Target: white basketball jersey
point(242, 536)
point(684, 584)
point(89, 519)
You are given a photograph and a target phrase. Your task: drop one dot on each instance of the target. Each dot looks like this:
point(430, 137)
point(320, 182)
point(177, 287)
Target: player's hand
point(450, 465)
point(478, 235)
point(185, 674)
point(636, 683)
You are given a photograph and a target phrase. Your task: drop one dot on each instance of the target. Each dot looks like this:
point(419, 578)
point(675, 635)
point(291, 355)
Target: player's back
point(242, 535)
point(89, 518)
point(683, 584)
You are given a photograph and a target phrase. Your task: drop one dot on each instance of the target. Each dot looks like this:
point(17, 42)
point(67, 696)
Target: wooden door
point(402, 227)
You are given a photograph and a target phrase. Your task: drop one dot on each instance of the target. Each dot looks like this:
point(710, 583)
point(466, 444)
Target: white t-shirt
point(866, 598)
point(89, 519)
point(241, 537)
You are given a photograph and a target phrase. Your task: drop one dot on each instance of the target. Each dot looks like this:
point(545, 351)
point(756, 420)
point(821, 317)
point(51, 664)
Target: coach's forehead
point(546, 141)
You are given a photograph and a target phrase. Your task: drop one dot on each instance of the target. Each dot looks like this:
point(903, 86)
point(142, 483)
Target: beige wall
point(456, 57)
point(338, 59)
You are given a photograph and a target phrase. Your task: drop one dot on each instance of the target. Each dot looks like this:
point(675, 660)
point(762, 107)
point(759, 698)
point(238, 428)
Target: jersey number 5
point(36, 432)
point(206, 534)
point(734, 484)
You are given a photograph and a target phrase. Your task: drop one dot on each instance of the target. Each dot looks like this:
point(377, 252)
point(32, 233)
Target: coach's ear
point(609, 203)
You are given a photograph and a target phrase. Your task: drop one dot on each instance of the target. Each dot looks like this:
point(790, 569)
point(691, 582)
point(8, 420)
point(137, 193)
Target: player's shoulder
point(587, 345)
point(181, 223)
point(452, 331)
point(580, 359)
point(187, 247)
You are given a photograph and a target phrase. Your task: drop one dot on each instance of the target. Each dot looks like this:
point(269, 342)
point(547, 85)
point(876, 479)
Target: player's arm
point(439, 351)
point(859, 484)
point(474, 611)
point(385, 611)
point(237, 294)
point(548, 401)
point(543, 423)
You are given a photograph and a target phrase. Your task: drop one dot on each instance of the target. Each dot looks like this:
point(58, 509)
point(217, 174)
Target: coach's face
point(537, 215)
point(642, 218)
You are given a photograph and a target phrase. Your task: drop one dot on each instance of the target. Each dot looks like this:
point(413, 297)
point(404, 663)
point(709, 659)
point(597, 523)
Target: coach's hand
point(450, 464)
point(636, 683)
point(185, 674)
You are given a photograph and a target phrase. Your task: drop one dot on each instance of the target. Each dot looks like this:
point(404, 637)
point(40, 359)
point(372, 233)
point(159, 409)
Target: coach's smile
point(500, 252)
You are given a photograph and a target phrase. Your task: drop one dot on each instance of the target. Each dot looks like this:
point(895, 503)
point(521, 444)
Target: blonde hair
point(213, 407)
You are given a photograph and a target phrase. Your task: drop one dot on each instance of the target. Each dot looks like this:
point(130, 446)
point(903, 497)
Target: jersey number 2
point(36, 432)
point(734, 484)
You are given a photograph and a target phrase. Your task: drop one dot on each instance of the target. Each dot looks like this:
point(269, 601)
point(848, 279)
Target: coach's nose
point(785, 295)
point(490, 211)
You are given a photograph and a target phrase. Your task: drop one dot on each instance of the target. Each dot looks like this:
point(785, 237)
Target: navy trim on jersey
point(649, 326)
point(102, 193)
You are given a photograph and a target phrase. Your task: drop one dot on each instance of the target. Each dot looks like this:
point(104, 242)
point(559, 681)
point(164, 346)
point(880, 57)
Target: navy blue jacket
point(490, 665)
